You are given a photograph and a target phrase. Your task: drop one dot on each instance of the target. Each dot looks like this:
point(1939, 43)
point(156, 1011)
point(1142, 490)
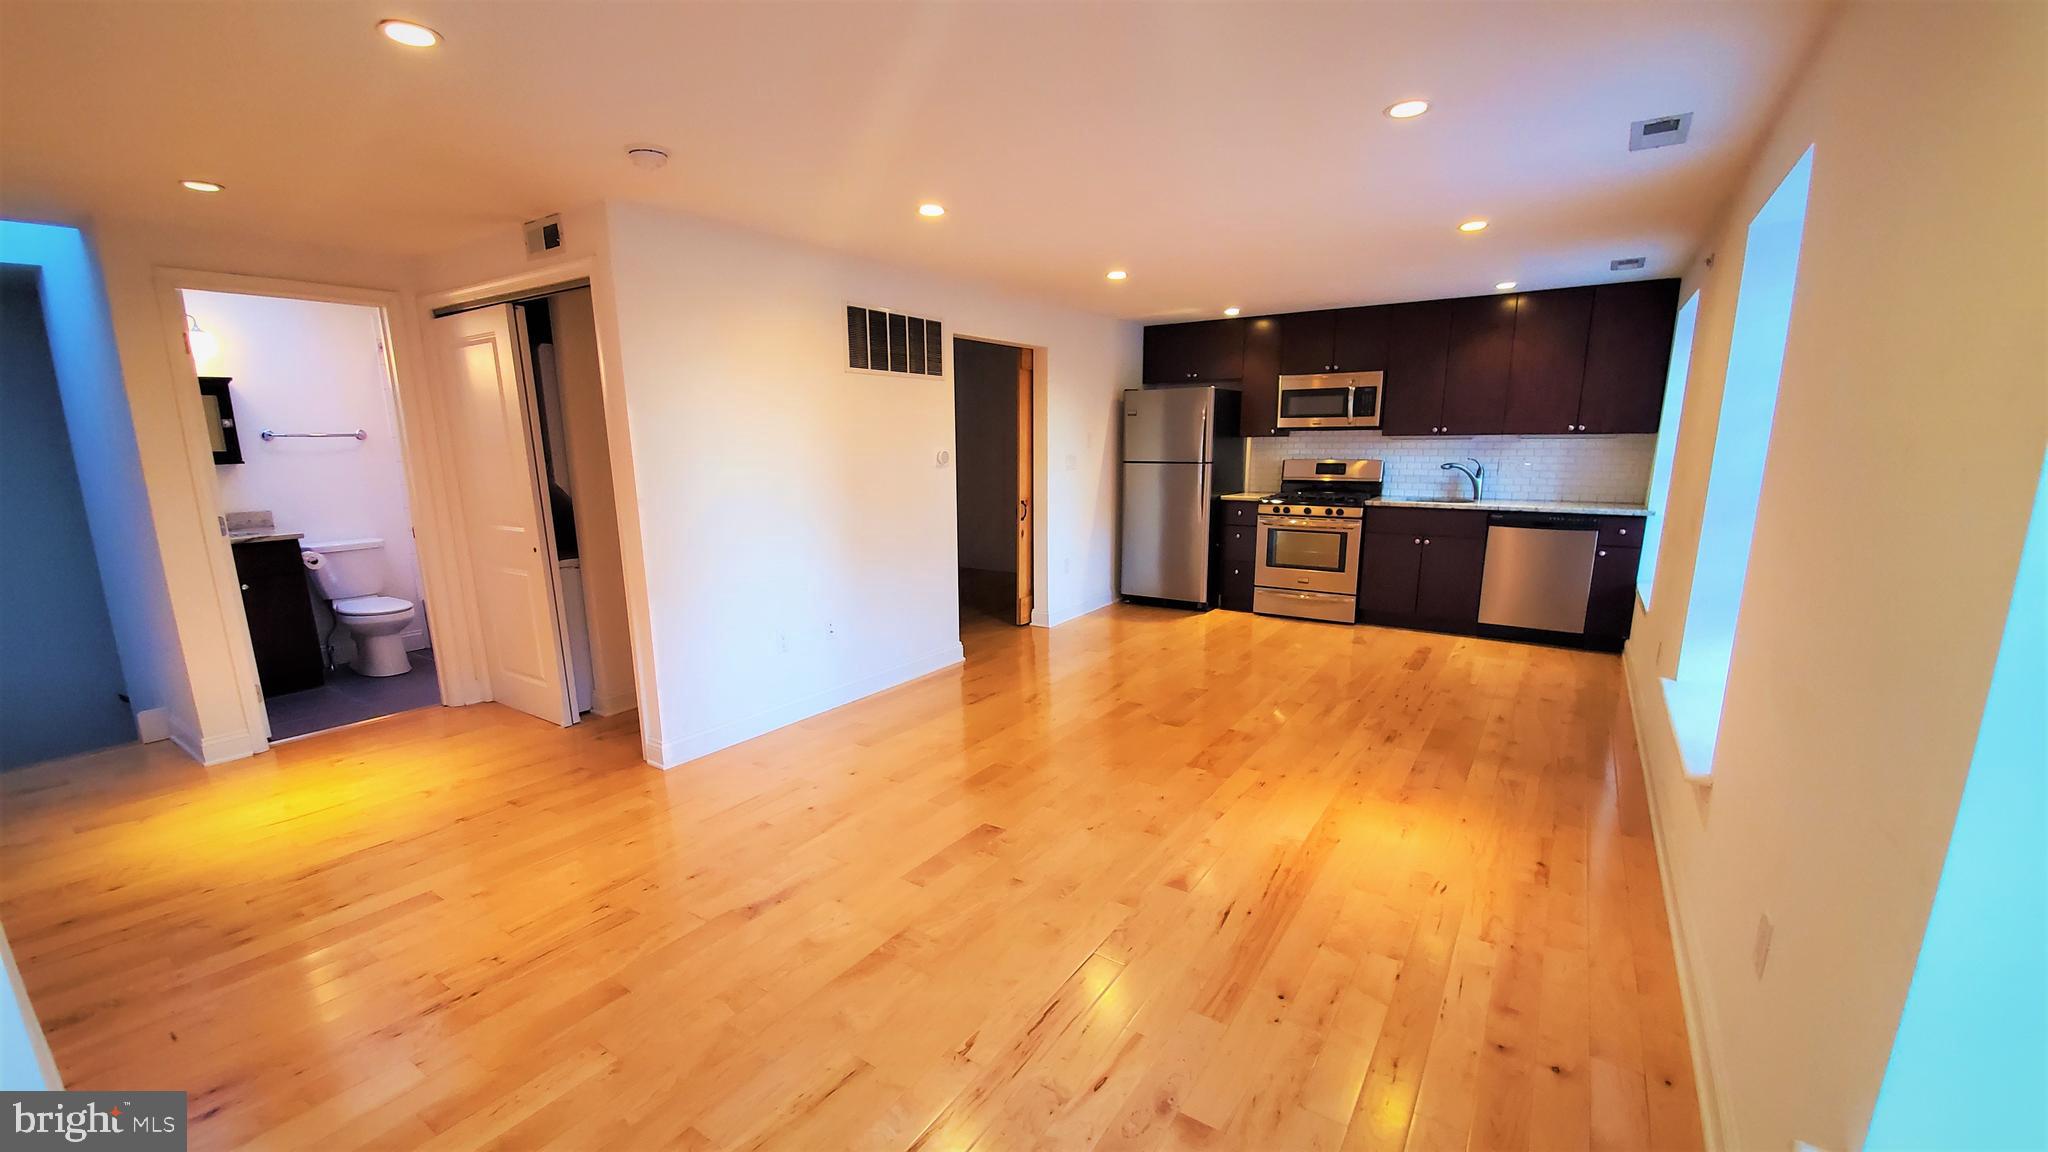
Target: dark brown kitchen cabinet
point(1418, 339)
point(1205, 352)
point(1421, 567)
point(1453, 567)
point(1233, 557)
point(280, 613)
point(1548, 362)
point(1611, 605)
point(1305, 342)
point(1333, 340)
point(1260, 408)
point(1389, 569)
point(1476, 366)
point(1628, 354)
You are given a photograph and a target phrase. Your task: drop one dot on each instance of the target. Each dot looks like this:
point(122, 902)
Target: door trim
point(1040, 359)
point(435, 506)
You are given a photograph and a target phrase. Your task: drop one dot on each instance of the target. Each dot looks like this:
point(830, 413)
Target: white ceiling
point(1226, 154)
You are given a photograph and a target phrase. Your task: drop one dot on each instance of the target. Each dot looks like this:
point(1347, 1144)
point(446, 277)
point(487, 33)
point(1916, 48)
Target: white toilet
point(348, 573)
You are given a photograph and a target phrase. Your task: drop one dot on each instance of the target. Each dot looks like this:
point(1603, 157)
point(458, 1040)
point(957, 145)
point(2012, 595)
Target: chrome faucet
point(1476, 473)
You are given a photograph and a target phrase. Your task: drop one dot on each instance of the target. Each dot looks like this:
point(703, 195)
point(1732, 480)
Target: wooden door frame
point(430, 495)
point(1035, 358)
point(560, 276)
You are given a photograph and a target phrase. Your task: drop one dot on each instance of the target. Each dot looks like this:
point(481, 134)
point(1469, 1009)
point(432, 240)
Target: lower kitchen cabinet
point(1611, 606)
point(1447, 595)
point(1421, 567)
point(1233, 558)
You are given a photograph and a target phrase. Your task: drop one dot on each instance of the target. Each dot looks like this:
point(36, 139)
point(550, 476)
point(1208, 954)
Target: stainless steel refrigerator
point(1181, 451)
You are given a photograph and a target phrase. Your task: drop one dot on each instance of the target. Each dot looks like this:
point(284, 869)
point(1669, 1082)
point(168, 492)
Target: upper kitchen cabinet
point(1261, 381)
point(1418, 340)
point(1334, 340)
point(1627, 356)
point(1548, 363)
point(1205, 352)
point(1305, 342)
point(1476, 366)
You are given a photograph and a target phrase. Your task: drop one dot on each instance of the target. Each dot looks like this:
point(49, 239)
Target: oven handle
point(1347, 526)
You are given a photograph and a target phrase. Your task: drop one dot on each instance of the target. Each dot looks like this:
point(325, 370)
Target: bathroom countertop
point(1555, 507)
point(263, 537)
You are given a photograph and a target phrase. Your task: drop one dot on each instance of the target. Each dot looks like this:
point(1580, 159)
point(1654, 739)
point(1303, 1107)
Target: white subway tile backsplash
point(1604, 469)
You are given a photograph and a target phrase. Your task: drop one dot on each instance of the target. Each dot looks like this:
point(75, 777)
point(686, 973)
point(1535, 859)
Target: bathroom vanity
point(280, 612)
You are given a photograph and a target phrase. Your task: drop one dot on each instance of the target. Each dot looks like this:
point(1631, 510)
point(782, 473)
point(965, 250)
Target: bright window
point(1749, 401)
point(1667, 443)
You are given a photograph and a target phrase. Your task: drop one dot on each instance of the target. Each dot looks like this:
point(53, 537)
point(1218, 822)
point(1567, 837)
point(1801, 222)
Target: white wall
point(799, 530)
point(312, 366)
point(1911, 420)
point(25, 1063)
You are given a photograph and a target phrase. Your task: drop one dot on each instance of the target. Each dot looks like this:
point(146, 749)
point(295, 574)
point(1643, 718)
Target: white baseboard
point(218, 748)
point(152, 725)
point(1646, 690)
point(613, 703)
point(669, 753)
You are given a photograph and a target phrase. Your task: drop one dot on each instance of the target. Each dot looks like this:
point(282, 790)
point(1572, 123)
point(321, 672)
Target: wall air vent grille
point(1662, 132)
point(882, 341)
point(1627, 264)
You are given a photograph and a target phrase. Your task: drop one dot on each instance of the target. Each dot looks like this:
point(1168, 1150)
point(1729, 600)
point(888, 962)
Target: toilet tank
point(348, 568)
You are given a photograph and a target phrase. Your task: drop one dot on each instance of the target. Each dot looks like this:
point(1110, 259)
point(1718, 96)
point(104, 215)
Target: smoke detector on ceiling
point(1662, 132)
point(1627, 263)
point(646, 157)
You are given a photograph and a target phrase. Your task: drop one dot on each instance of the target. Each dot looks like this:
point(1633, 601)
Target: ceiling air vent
point(1627, 264)
point(1662, 132)
point(882, 341)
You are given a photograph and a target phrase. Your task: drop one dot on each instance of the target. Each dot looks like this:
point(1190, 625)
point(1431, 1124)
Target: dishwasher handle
point(1564, 521)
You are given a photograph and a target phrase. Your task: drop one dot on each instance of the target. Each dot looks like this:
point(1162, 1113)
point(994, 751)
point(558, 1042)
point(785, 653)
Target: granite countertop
point(263, 537)
point(1253, 496)
point(1556, 507)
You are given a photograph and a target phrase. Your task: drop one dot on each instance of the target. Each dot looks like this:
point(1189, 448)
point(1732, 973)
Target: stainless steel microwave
point(1330, 400)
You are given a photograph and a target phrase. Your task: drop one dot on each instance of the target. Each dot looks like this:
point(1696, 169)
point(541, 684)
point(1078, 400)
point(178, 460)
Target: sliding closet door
point(511, 551)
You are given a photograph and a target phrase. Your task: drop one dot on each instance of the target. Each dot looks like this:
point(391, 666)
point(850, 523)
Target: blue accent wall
point(60, 676)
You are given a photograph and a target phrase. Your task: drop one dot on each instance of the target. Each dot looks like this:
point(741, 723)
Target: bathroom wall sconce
point(202, 344)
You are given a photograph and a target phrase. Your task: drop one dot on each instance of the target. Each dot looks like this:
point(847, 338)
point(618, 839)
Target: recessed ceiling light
point(203, 185)
point(931, 209)
point(1231, 311)
point(1472, 226)
point(1407, 109)
point(1116, 274)
point(408, 33)
point(1504, 286)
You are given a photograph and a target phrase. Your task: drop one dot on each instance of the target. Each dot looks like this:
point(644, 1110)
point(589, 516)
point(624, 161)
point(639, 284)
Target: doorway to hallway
point(993, 387)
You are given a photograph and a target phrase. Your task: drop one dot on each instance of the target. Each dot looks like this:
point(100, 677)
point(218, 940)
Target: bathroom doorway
point(309, 471)
point(993, 416)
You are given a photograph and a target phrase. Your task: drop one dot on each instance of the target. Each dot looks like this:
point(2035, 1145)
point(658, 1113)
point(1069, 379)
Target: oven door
point(1304, 406)
point(1298, 553)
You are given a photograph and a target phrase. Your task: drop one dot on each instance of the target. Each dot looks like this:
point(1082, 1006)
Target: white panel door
point(511, 556)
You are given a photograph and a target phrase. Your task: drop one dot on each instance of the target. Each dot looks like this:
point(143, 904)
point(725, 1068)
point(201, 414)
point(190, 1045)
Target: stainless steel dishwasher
point(1539, 572)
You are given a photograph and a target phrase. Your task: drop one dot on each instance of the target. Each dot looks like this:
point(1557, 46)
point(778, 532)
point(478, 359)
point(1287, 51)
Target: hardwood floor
point(1150, 880)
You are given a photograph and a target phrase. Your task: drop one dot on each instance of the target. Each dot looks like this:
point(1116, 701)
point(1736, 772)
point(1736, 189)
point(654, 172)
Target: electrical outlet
point(782, 642)
point(831, 629)
point(1763, 945)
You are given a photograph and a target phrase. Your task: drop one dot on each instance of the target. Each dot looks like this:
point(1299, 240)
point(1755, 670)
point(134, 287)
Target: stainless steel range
point(1309, 536)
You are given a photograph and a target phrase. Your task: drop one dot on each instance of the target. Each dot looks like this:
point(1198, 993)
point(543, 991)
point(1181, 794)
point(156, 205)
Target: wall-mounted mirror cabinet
point(220, 420)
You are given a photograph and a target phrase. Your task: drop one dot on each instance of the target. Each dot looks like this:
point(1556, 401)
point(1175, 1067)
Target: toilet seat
point(365, 606)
